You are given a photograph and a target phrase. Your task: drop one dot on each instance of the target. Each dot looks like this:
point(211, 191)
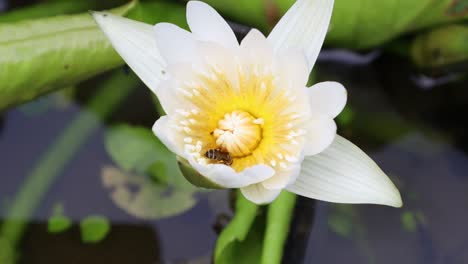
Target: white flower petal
point(227, 177)
point(258, 194)
point(328, 98)
point(283, 177)
point(208, 25)
point(293, 69)
point(321, 131)
point(303, 27)
point(220, 59)
point(168, 97)
point(177, 45)
point(345, 174)
point(169, 137)
point(255, 48)
point(135, 43)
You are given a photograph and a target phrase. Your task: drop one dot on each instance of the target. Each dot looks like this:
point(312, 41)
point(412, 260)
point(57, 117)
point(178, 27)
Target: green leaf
point(134, 148)
point(138, 149)
point(94, 229)
point(58, 222)
point(141, 197)
point(279, 217)
point(41, 55)
point(359, 24)
point(442, 46)
point(55, 8)
point(459, 7)
point(234, 245)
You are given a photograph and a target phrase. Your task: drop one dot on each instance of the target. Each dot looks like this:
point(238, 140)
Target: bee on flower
point(241, 114)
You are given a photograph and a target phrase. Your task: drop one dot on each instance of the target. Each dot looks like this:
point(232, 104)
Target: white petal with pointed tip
point(258, 194)
point(327, 98)
point(303, 27)
point(255, 47)
point(136, 44)
point(176, 44)
point(227, 177)
point(345, 174)
point(208, 25)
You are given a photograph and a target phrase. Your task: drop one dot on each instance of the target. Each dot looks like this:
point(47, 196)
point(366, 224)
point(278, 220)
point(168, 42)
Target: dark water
point(27, 133)
point(416, 134)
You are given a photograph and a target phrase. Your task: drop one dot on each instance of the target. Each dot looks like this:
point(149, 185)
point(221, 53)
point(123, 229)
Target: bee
point(219, 156)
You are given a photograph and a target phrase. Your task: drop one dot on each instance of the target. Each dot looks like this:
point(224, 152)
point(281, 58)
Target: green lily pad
point(94, 229)
point(137, 149)
point(143, 198)
point(58, 222)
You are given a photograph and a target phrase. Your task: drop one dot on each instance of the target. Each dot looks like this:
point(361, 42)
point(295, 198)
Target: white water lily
point(250, 100)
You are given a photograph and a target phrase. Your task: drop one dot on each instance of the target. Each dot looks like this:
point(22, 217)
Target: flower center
point(238, 133)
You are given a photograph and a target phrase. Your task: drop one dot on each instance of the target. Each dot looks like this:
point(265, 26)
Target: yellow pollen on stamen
point(238, 133)
point(253, 119)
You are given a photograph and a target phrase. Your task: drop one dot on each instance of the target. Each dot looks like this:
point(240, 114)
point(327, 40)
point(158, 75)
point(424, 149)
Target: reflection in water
point(141, 197)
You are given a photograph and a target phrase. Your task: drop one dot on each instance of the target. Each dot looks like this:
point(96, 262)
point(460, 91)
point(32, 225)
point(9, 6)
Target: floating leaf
point(58, 222)
point(142, 197)
point(133, 148)
point(138, 149)
point(94, 229)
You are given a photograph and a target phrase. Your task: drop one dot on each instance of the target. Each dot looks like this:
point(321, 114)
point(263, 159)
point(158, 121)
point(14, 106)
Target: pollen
point(238, 134)
point(253, 118)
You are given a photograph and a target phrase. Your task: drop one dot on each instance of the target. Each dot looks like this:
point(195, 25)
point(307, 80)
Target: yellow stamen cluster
point(253, 120)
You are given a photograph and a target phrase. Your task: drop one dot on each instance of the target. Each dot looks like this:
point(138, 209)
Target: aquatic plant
point(250, 104)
